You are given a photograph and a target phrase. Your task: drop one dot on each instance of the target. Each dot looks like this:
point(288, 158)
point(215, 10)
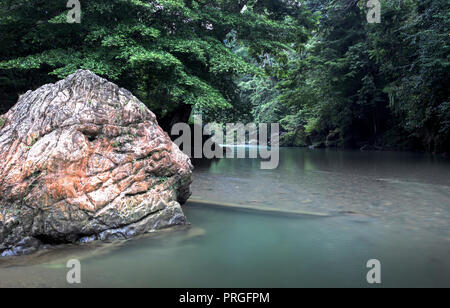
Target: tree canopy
point(317, 67)
point(173, 54)
point(385, 84)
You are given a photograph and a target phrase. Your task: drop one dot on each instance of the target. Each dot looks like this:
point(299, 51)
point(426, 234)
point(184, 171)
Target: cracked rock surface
point(81, 160)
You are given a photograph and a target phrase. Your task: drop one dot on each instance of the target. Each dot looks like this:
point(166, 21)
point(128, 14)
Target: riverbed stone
point(84, 159)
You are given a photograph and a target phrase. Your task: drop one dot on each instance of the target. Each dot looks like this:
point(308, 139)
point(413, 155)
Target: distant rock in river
point(82, 160)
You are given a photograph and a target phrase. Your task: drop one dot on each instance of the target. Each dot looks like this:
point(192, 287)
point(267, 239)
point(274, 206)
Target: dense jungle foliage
point(317, 67)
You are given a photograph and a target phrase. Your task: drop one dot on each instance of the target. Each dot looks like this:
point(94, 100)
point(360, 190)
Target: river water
point(393, 207)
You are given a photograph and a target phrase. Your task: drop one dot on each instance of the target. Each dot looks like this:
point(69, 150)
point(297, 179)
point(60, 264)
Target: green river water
point(394, 207)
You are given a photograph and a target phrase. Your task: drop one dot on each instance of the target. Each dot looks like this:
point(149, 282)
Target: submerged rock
point(82, 160)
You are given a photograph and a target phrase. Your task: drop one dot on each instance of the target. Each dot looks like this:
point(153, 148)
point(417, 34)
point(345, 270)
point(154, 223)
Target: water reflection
point(408, 188)
point(394, 207)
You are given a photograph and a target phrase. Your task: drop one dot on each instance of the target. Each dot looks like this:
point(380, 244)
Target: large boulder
point(83, 159)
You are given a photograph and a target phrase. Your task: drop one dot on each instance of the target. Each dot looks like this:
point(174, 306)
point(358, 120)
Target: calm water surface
point(394, 207)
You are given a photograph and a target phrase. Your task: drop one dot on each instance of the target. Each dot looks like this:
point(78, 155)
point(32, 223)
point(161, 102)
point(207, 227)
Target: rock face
point(334, 139)
point(294, 138)
point(82, 160)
